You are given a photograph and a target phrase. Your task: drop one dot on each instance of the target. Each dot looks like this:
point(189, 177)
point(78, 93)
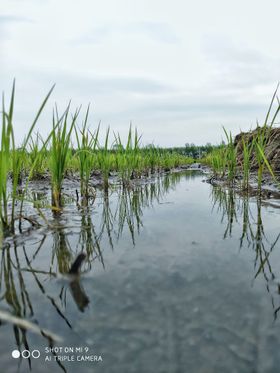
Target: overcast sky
point(178, 70)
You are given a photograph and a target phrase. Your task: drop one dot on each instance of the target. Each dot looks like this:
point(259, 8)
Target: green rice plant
point(6, 145)
point(59, 152)
point(105, 160)
point(151, 159)
point(128, 158)
point(133, 152)
point(217, 160)
point(12, 159)
point(166, 161)
point(231, 155)
point(260, 145)
point(265, 161)
point(37, 157)
point(262, 137)
point(87, 143)
point(247, 152)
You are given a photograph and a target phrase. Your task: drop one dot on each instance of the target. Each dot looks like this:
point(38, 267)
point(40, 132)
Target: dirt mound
point(272, 150)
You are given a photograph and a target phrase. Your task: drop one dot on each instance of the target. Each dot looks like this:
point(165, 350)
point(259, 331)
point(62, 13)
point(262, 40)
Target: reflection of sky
point(178, 71)
point(182, 288)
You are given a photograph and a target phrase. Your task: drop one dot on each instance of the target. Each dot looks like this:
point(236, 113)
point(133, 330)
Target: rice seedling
point(217, 160)
point(247, 152)
point(6, 144)
point(265, 161)
point(150, 159)
point(37, 156)
point(104, 160)
point(87, 143)
point(223, 159)
point(231, 155)
point(59, 152)
point(128, 159)
point(262, 137)
point(12, 159)
point(260, 144)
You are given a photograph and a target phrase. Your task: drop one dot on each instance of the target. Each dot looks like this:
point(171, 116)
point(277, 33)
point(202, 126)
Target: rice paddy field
point(116, 257)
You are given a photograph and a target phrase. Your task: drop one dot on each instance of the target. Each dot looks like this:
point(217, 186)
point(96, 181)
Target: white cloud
point(156, 31)
point(178, 70)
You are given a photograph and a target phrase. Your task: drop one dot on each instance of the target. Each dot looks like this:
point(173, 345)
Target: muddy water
point(179, 277)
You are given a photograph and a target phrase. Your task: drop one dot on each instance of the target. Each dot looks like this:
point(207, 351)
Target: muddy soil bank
point(96, 179)
point(272, 149)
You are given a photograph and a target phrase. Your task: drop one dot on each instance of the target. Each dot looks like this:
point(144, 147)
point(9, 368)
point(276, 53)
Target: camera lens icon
point(26, 354)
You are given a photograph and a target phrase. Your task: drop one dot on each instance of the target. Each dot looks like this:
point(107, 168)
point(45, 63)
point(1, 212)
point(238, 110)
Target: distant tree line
point(192, 150)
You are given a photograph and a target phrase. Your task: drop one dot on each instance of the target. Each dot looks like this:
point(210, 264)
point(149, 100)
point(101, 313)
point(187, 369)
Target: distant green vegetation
point(192, 150)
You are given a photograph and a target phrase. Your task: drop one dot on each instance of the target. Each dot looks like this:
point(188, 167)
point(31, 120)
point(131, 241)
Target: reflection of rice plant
point(17, 302)
point(129, 211)
point(225, 201)
point(253, 231)
point(89, 240)
point(62, 251)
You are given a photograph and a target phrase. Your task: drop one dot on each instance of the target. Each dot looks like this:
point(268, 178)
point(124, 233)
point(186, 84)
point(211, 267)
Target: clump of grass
point(223, 160)
point(87, 143)
point(261, 140)
point(231, 155)
point(7, 142)
point(128, 160)
point(36, 157)
point(265, 161)
point(12, 160)
point(247, 152)
point(217, 161)
point(59, 152)
point(104, 160)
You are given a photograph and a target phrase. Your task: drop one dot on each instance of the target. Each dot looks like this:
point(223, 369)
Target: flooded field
point(180, 276)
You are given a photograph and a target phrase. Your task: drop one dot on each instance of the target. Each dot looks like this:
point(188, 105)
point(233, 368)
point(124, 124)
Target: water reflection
point(28, 269)
point(35, 283)
point(16, 298)
point(236, 210)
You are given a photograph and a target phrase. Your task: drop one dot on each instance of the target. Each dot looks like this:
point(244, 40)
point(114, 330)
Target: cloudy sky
point(178, 70)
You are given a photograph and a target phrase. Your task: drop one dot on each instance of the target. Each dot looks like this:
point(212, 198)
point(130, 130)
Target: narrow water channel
point(180, 277)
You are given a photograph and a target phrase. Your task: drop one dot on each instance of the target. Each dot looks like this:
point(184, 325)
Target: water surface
point(179, 277)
